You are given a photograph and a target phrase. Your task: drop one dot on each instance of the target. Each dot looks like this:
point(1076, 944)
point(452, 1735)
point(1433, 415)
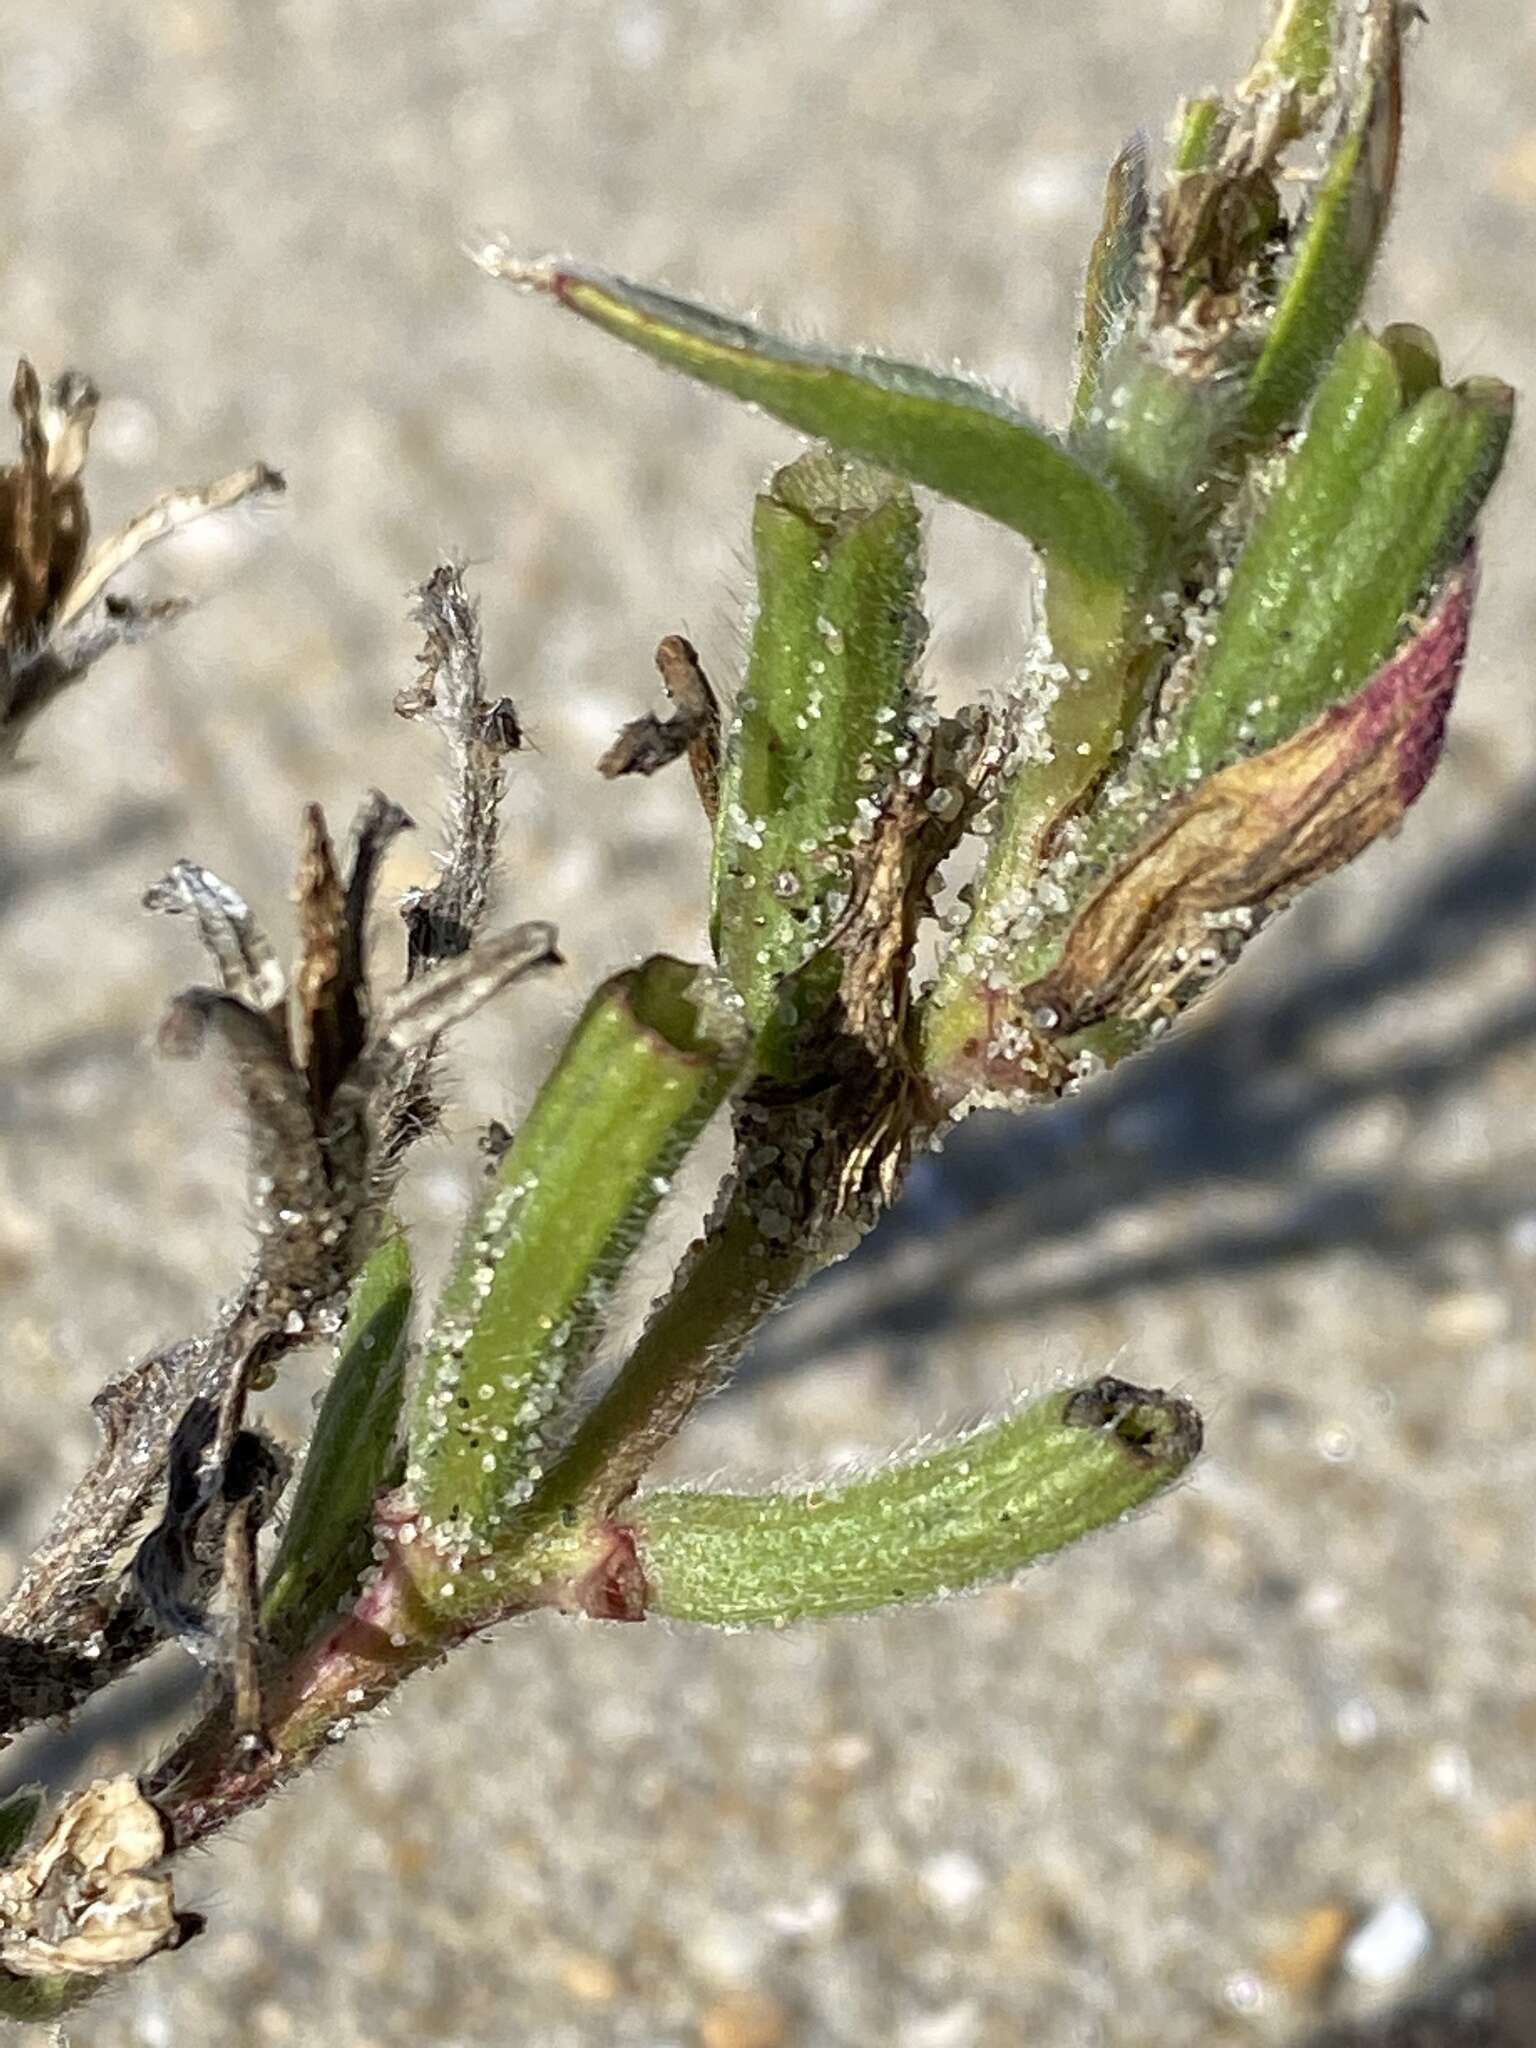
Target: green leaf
point(822, 725)
point(953, 436)
point(1298, 51)
point(646, 1066)
point(353, 1457)
point(1337, 243)
point(1199, 130)
point(952, 1519)
point(1292, 541)
point(1113, 277)
point(1363, 524)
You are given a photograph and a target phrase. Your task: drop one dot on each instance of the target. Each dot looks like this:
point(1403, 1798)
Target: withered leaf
point(329, 1118)
point(57, 612)
point(649, 743)
point(442, 921)
point(1227, 857)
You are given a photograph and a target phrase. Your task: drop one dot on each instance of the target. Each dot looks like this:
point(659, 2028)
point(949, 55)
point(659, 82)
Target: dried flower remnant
point(58, 613)
point(83, 1903)
point(319, 1085)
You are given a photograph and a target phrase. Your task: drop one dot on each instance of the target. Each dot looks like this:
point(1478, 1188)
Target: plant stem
point(730, 1281)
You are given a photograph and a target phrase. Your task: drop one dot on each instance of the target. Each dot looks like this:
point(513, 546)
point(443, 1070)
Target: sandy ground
point(1142, 1797)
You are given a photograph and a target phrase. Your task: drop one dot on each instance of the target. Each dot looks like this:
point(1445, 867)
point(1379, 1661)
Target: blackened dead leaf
point(180, 1565)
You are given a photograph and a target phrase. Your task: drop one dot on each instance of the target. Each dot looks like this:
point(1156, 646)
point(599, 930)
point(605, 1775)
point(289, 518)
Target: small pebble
point(953, 1881)
point(819, 1912)
point(1356, 1723)
point(952, 2026)
point(1389, 1945)
point(1243, 1993)
point(592, 1979)
point(746, 2019)
point(1466, 1320)
point(1450, 1771)
point(1306, 1957)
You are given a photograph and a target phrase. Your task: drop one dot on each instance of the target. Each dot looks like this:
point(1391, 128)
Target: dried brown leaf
point(1234, 852)
point(167, 515)
point(648, 744)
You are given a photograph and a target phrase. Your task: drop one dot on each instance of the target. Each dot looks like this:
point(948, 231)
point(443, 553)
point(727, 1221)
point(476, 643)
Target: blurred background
point(1259, 1769)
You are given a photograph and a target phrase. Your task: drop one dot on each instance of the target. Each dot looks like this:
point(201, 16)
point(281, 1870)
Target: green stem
point(1199, 130)
point(1156, 431)
point(1298, 51)
point(1337, 245)
point(730, 1281)
point(1086, 717)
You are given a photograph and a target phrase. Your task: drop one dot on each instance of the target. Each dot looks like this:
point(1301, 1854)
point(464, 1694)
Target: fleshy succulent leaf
point(648, 1063)
point(821, 726)
point(948, 1520)
point(354, 1455)
point(1363, 523)
point(956, 437)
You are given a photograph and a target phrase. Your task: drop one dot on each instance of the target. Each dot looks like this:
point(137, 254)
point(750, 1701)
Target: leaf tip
point(1155, 1428)
point(494, 256)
